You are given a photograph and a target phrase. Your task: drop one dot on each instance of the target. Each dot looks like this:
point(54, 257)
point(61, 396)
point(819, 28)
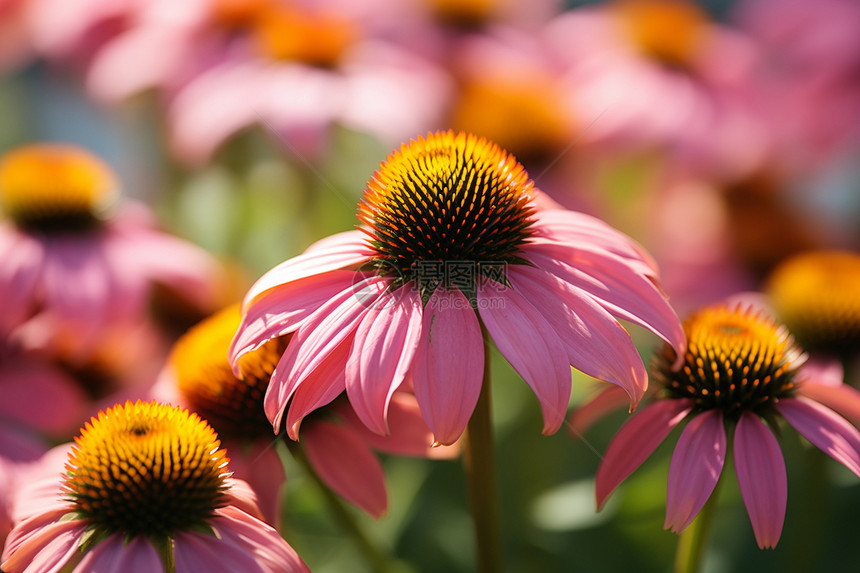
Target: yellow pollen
point(736, 358)
point(146, 468)
point(51, 183)
point(668, 30)
point(817, 295)
point(312, 37)
point(205, 379)
point(449, 198)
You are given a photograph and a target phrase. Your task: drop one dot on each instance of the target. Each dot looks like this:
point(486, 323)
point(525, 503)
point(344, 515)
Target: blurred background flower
point(721, 135)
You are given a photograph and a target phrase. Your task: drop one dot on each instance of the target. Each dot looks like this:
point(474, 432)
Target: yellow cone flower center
point(448, 204)
point(532, 98)
point(199, 362)
point(146, 469)
point(668, 30)
point(49, 187)
point(817, 295)
point(736, 360)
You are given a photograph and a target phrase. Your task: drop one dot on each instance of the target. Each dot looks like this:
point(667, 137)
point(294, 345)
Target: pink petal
point(531, 345)
point(581, 229)
point(114, 555)
point(616, 286)
point(608, 399)
point(42, 544)
point(318, 337)
point(841, 398)
point(260, 466)
point(282, 310)
point(322, 386)
point(761, 476)
point(22, 261)
point(635, 441)
point(338, 252)
point(825, 429)
point(449, 364)
point(385, 343)
point(408, 432)
point(346, 464)
point(695, 468)
point(594, 341)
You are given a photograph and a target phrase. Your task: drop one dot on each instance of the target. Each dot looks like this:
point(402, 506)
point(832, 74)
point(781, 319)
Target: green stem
point(692, 542)
point(377, 560)
point(479, 458)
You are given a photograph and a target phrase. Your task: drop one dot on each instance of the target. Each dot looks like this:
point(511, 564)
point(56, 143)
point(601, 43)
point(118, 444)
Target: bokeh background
point(722, 135)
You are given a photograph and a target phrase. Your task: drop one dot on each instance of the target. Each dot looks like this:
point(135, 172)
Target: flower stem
point(479, 458)
point(692, 542)
point(375, 557)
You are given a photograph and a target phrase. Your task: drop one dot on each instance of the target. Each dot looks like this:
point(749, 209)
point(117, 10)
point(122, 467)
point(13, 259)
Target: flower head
point(815, 293)
point(145, 485)
point(63, 227)
point(741, 372)
point(453, 243)
point(338, 446)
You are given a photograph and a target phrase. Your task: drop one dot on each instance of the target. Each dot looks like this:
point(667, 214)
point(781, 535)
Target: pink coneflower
point(145, 488)
point(741, 372)
point(58, 232)
point(453, 244)
point(338, 446)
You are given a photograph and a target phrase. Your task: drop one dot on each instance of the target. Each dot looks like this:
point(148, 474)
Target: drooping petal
point(322, 386)
point(339, 251)
point(584, 230)
point(825, 429)
point(761, 476)
point(609, 399)
point(531, 345)
point(113, 555)
point(42, 543)
point(22, 260)
point(635, 441)
point(260, 466)
point(595, 342)
point(615, 286)
point(841, 398)
point(695, 468)
point(346, 464)
point(382, 353)
point(408, 432)
point(449, 364)
point(282, 310)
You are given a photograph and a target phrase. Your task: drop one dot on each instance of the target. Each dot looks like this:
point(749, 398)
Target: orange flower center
point(668, 30)
point(817, 295)
point(49, 187)
point(146, 469)
point(532, 99)
point(450, 200)
point(312, 37)
point(736, 360)
point(233, 406)
point(463, 13)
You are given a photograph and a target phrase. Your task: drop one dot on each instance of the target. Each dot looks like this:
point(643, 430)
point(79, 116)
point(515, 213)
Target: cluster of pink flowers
point(566, 185)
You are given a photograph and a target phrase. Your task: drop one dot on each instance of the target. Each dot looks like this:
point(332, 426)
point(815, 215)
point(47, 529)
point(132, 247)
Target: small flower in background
point(805, 82)
point(78, 267)
point(626, 59)
point(340, 449)
point(453, 243)
point(741, 373)
point(817, 295)
point(145, 487)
